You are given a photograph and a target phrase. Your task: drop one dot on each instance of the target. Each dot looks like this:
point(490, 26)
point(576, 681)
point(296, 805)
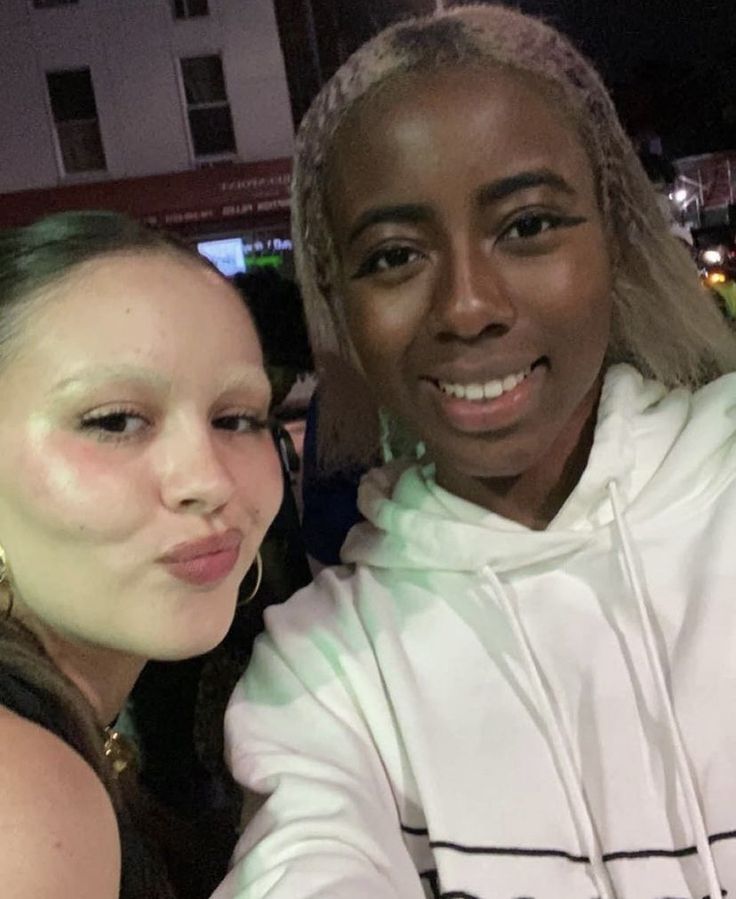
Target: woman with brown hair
point(137, 479)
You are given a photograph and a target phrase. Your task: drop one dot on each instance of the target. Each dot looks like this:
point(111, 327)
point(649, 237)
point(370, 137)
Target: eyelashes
point(532, 225)
point(387, 259)
point(126, 424)
point(113, 425)
point(242, 423)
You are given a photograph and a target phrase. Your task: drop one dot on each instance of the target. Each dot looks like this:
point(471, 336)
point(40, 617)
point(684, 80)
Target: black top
point(35, 704)
point(32, 702)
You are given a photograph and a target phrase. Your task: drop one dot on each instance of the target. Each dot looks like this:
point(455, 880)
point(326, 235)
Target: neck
point(535, 496)
point(104, 676)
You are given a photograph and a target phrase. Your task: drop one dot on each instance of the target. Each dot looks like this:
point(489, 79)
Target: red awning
point(244, 191)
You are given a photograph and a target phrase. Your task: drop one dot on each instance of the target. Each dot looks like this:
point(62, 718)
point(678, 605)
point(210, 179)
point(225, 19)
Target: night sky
point(670, 64)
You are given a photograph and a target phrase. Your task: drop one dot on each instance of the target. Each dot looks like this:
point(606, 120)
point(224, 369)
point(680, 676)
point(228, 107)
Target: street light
point(680, 195)
point(712, 257)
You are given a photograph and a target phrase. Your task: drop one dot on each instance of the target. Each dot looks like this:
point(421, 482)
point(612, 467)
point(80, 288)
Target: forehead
point(454, 120)
point(483, 83)
point(150, 303)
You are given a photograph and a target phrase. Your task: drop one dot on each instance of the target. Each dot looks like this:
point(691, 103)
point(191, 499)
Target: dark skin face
point(476, 275)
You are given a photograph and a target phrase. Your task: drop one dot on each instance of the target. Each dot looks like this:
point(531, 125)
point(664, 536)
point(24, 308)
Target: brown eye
point(114, 425)
point(240, 424)
point(532, 224)
point(387, 259)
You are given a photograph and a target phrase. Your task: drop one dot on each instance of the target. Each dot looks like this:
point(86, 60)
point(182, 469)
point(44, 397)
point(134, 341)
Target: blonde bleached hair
point(663, 322)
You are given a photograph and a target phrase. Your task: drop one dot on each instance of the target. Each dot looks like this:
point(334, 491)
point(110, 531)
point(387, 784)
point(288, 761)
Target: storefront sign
point(211, 195)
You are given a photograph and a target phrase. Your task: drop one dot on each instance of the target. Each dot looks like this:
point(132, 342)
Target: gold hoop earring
point(259, 578)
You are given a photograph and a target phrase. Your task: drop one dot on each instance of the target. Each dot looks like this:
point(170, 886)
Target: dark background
point(670, 64)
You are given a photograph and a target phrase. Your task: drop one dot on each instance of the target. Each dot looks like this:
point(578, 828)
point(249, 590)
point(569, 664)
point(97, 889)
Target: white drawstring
point(561, 752)
point(681, 759)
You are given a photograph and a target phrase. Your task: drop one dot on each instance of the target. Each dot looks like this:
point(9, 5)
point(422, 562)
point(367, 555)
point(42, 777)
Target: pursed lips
point(194, 549)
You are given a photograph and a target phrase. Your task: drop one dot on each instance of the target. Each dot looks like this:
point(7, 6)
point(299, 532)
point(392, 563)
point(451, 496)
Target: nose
point(193, 473)
point(471, 297)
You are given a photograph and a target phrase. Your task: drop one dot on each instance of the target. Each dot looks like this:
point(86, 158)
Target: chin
point(490, 463)
point(197, 646)
point(194, 637)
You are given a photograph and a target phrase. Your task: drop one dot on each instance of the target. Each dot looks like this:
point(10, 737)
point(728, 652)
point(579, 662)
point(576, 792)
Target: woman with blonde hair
point(520, 682)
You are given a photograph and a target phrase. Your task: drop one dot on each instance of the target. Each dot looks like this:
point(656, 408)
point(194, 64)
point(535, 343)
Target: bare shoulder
point(58, 831)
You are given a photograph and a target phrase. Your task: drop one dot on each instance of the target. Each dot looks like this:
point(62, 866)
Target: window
point(75, 115)
point(190, 9)
point(49, 4)
point(210, 122)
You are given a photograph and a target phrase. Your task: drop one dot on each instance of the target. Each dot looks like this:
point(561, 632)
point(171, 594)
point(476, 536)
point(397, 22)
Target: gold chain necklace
point(120, 751)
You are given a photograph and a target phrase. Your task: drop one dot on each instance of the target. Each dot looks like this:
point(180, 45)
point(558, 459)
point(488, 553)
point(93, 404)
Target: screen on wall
point(227, 254)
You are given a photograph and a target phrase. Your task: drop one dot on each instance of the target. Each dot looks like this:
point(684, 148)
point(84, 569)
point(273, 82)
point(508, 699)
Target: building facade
point(98, 89)
point(173, 111)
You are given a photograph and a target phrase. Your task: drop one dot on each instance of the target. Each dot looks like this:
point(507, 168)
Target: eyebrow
point(252, 377)
point(416, 213)
point(505, 187)
point(413, 213)
point(99, 374)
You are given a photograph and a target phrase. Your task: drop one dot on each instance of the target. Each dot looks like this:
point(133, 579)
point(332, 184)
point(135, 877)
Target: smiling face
point(473, 267)
point(132, 422)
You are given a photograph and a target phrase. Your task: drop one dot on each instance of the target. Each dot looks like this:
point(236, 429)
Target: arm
point(58, 831)
point(330, 827)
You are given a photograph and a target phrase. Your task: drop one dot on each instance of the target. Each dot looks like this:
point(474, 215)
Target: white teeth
point(489, 390)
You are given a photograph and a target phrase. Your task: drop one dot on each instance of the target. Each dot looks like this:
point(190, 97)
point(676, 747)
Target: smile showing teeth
point(488, 391)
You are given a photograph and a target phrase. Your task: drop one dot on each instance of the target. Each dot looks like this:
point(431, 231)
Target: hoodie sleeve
point(295, 731)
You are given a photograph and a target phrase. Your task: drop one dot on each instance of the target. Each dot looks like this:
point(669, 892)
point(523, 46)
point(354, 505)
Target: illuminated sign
point(226, 254)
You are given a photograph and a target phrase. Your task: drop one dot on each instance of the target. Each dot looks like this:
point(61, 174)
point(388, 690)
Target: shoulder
point(58, 826)
point(335, 602)
point(712, 417)
point(719, 396)
point(306, 638)
point(324, 605)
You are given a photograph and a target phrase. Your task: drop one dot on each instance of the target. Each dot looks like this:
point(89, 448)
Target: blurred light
point(716, 278)
point(680, 195)
point(712, 257)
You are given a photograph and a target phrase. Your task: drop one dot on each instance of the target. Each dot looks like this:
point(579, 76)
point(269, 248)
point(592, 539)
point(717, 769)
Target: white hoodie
point(475, 709)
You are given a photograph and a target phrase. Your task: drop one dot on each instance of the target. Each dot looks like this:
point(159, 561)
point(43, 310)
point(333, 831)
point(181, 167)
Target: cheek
point(575, 302)
point(260, 483)
point(382, 327)
point(71, 485)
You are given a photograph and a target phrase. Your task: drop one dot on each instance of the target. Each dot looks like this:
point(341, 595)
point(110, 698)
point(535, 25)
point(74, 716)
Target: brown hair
point(32, 259)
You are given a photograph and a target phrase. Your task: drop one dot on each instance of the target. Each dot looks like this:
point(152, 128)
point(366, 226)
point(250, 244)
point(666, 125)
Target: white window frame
point(87, 174)
point(198, 161)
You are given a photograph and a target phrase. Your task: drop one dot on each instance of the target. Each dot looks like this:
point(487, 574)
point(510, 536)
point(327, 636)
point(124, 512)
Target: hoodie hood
point(663, 449)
